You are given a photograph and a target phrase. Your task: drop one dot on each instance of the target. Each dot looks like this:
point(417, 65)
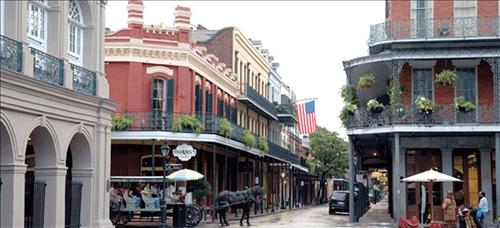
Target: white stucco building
point(55, 114)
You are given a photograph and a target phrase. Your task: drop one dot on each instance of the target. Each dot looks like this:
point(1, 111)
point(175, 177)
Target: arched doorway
point(11, 178)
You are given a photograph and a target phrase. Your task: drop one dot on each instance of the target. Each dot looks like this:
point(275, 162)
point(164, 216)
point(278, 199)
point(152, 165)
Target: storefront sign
point(184, 152)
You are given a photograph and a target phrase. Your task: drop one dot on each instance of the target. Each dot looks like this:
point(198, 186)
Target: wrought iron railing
point(259, 99)
point(435, 28)
point(11, 54)
point(47, 68)
point(84, 80)
point(163, 121)
point(408, 115)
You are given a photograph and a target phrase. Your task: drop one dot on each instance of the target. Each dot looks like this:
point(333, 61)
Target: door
point(418, 161)
point(466, 166)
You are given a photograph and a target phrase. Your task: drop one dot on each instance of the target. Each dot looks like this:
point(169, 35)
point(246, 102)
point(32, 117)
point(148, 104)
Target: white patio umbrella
point(431, 176)
point(185, 175)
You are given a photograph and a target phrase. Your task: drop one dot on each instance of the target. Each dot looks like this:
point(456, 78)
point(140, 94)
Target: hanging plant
point(374, 106)
point(263, 145)
point(225, 128)
point(395, 93)
point(249, 139)
point(121, 122)
point(446, 77)
point(349, 94)
point(425, 105)
point(347, 112)
point(463, 105)
point(366, 81)
point(187, 121)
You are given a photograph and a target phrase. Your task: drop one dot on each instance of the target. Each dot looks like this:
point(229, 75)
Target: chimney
point(182, 18)
point(135, 13)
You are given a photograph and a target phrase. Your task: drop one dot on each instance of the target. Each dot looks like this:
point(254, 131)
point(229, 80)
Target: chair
point(130, 202)
point(149, 201)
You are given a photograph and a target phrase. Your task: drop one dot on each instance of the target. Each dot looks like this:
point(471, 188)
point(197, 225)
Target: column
point(395, 179)
point(55, 180)
point(486, 187)
point(12, 195)
point(351, 180)
point(447, 159)
point(402, 172)
point(85, 176)
point(497, 169)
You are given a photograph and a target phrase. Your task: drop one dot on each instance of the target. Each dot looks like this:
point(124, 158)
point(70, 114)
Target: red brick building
point(420, 43)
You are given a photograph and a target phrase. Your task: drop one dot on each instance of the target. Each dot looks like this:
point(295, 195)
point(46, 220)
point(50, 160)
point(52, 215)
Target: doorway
point(466, 166)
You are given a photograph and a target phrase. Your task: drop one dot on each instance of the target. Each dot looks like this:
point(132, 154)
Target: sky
point(309, 39)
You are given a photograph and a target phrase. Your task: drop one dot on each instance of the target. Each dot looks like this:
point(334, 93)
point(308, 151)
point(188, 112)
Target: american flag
point(307, 117)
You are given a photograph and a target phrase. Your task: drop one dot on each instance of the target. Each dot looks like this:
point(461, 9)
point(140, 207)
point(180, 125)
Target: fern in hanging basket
point(225, 128)
point(374, 106)
point(395, 93)
point(121, 122)
point(187, 122)
point(463, 105)
point(446, 77)
point(347, 112)
point(366, 81)
point(263, 145)
point(425, 105)
point(349, 94)
point(249, 139)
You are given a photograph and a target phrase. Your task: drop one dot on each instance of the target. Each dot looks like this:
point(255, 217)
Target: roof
point(202, 35)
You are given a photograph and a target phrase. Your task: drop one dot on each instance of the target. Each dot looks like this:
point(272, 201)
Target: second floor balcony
point(46, 68)
point(435, 29)
point(250, 97)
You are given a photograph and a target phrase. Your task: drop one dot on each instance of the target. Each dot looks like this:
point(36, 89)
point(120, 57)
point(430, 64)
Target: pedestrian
point(482, 209)
point(449, 210)
point(468, 219)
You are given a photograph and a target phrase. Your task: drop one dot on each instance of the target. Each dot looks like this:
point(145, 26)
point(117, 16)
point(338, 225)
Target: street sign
point(172, 166)
point(184, 152)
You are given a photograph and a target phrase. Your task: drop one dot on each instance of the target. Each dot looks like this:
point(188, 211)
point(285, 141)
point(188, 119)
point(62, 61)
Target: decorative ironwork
point(259, 99)
point(84, 80)
point(47, 68)
point(495, 69)
point(11, 54)
point(434, 28)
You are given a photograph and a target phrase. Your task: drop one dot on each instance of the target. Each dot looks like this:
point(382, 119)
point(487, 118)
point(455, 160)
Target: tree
point(330, 155)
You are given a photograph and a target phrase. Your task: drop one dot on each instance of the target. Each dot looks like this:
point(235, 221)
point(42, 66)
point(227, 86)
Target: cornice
point(250, 49)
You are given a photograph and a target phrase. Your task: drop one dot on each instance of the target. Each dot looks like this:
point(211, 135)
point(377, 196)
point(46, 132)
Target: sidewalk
point(376, 216)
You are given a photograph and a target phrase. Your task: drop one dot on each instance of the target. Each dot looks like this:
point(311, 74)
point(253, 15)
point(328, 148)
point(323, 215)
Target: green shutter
point(170, 96)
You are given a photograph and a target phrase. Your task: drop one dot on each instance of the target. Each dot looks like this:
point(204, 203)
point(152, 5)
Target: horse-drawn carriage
point(138, 198)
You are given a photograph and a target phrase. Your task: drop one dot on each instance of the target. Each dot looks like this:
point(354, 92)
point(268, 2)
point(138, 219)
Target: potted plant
point(225, 128)
point(121, 122)
point(374, 106)
point(263, 145)
point(200, 188)
point(424, 105)
point(347, 113)
point(349, 94)
point(248, 138)
point(366, 81)
point(187, 121)
point(463, 105)
point(446, 77)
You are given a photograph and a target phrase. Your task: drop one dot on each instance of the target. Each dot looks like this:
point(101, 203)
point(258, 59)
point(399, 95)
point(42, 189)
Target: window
point(147, 165)
point(422, 83)
point(37, 24)
point(75, 39)
point(421, 15)
point(198, 103)
point(162, 95)
point(465, 22)
point(466, 84)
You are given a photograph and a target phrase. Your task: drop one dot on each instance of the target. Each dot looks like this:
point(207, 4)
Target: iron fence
point(11, 54)
point(441, 115)
point(435, 28)
point(34, 196)
point(47, 68)
point(259, 99)
point(84, 80)
point(73, 205)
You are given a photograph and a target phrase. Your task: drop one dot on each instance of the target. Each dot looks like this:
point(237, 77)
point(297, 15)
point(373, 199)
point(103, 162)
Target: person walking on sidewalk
point(449, 210)
point(482, 209)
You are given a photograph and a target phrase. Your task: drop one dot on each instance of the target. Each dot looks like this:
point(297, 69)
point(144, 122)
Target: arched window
point(75, 32)
point(37, 24)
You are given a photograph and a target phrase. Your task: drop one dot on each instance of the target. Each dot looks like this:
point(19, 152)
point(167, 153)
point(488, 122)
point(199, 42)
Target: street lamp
point(164, 152)
point(282, 190)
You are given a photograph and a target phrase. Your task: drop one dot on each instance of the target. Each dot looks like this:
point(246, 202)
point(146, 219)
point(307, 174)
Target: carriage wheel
point(193, 215)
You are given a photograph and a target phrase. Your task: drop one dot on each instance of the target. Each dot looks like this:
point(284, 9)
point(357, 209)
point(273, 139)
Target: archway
point(78, 182)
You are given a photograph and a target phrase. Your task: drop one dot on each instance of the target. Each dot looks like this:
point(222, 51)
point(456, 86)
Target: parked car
point(339, 202)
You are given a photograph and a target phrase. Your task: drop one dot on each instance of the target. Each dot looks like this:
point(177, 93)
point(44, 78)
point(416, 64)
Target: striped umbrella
point(185, 175)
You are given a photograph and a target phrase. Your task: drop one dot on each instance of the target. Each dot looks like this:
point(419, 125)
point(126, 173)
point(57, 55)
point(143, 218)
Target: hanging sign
point(184, 152)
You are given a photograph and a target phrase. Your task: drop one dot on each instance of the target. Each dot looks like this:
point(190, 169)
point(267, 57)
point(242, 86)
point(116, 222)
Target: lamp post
point(282, 190)
point(164, 152)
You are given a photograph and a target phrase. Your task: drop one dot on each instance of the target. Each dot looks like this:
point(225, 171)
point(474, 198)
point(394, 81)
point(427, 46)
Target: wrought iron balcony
point(280, 152)
point(435, 29)
point(84, 80)
point(259, 102)
point(446, 115)
point(11, 54)
point(47, 68)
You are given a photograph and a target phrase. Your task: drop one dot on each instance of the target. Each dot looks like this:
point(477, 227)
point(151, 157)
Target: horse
point(241, 199)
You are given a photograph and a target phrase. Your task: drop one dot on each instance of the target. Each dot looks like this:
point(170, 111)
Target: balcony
point(257, 102)
point(278, 151)
point(84, 80)
point(11, 54)
point(47, 68)
point(435, 29)
point(443, 115)
point(287, 114)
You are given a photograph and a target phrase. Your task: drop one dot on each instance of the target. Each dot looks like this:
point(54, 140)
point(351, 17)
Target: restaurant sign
point(184, 152)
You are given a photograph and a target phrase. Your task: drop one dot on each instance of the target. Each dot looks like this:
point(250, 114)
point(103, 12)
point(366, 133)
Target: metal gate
point(73, 204)
point(34, 203)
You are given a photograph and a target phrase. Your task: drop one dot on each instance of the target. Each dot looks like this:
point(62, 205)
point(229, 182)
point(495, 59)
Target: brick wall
point(400, 10)
point(487, 8)
point(443, 9)
point(405, 81)
point(443, 95)
point(221, 45)
point(485, 84)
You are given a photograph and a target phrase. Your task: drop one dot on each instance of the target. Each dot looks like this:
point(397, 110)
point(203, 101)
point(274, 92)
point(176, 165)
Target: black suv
point(339, 202)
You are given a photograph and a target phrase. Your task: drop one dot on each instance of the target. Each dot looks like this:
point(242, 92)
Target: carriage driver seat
point(130, 201)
